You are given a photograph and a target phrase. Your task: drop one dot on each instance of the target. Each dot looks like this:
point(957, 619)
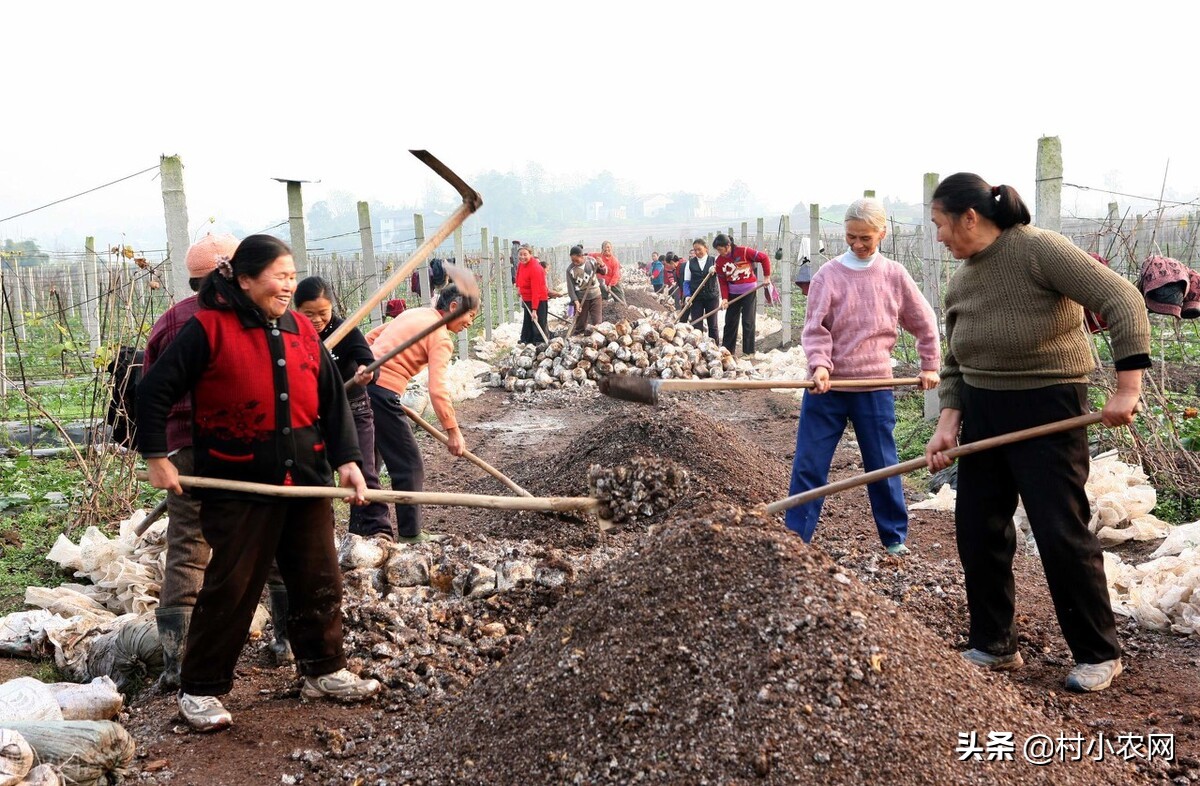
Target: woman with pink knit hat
point(855, 302)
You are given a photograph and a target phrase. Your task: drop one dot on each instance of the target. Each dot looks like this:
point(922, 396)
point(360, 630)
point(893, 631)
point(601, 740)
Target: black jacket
point(350, 353)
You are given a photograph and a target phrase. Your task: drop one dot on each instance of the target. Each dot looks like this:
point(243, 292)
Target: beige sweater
point(1014, 316)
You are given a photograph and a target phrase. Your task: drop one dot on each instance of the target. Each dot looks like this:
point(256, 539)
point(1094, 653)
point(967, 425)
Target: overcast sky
point(802, 104)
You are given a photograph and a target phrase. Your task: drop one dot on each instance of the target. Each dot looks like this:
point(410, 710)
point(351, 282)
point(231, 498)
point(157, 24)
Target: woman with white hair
point(855, 302)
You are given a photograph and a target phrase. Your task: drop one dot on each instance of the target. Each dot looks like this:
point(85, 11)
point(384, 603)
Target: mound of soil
point(723, 652)
point(644, 299)
point(615, 311)
point(724, 467)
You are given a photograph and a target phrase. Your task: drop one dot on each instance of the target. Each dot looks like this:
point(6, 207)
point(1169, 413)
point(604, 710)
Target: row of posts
point(495, 268)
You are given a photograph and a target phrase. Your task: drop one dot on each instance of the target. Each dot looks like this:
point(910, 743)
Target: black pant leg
point(729, 333)
point(986, 536)
point(1051, 473)
point(528, 331)
point(244, 537)
point(543, 316)
point(749, 306)
point(308, 562)
point(401, 455)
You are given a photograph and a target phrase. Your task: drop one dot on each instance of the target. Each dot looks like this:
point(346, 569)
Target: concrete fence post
point(175, 212)
point(785, 281)
point(931, 275)
point(296, 227)
point(501, 269)
point(369, 269)
point(485, 264)
point(16, 301)
point(1049, 184)
point(91, 295)
point(460, 259)
point(760, 242)
point(423, 270)
point(815, 245)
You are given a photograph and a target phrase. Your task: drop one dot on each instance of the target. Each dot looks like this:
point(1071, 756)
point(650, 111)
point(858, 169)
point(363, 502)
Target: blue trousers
point(823, 419)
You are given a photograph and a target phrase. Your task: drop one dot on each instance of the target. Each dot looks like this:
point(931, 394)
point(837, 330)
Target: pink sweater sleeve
point(917, 317)
point(817, 340)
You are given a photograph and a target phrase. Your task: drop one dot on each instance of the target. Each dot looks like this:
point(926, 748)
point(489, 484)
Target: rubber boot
point(281, 648)
point(172, 625)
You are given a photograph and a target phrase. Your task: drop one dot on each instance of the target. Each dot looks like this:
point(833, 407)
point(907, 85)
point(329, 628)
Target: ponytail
point(964, 191)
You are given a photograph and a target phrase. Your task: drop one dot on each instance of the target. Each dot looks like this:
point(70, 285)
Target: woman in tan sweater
point(1017, 357)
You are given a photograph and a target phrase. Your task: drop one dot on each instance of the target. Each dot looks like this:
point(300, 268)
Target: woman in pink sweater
point(855, 303)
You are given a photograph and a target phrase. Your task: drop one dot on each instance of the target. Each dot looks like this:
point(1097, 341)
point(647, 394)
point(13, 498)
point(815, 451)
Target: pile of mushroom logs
point(649, 348)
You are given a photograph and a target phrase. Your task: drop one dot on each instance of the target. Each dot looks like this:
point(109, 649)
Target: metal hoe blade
point(639, 390)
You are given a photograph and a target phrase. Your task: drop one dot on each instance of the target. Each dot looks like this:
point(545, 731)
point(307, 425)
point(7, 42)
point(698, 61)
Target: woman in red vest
point(268, 406)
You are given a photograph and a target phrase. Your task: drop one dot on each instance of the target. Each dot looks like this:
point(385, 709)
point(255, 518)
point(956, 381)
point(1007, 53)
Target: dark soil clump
point(723, 466)
point(615, 311)
point(729, 653)
point(644, 300)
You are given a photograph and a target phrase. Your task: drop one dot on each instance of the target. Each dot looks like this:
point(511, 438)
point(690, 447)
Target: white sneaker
point(342, 685)
point(1090, 677)
point(204, 713)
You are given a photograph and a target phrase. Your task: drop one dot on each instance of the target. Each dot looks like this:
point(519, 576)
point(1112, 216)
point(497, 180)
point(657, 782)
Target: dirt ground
point(276, 738)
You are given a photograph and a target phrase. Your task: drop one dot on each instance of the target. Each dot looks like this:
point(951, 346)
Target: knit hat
point(395, 307)
point(202, 257)
point(1191, 301)
point(1164, 282)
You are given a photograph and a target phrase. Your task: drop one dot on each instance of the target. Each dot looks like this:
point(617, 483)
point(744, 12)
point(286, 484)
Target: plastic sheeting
point(125, 572)
point(788, 364)
point(462, 380)
point(504, 338)
point(1163, 594)
point(1120, 495)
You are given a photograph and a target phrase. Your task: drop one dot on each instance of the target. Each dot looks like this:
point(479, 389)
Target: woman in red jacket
point(531, 283)
point(736, 276)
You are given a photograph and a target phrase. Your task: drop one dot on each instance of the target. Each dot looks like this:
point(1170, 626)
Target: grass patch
point(30, 523)
point(912, 431)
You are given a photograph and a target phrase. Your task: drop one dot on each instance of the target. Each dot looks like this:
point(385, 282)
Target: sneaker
point(898, 550)
point(422, 537)
point(204, 713)
point(1088, 677)
point(994, 662)
point(342, 685)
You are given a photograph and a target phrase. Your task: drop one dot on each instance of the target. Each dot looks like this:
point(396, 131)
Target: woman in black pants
point(267, 406)
point(1016, 358)
point(695, 271)
point(736, 275)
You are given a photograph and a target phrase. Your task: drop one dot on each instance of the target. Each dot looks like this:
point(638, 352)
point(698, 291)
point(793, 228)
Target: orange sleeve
point(440, 348)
